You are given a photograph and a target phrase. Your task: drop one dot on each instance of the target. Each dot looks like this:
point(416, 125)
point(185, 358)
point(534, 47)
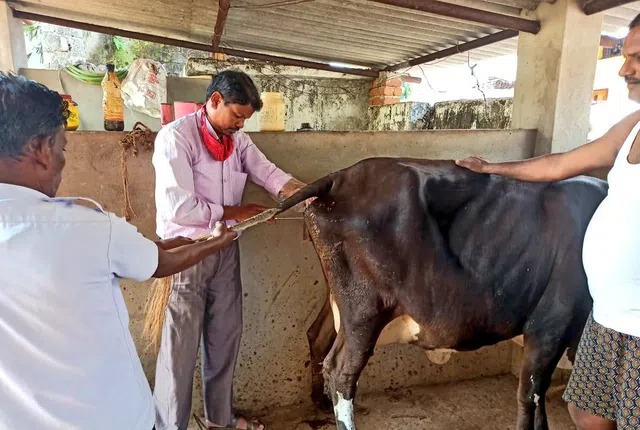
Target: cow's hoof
point(341, 426)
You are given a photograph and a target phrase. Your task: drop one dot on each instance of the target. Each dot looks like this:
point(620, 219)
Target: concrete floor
point(482, 404)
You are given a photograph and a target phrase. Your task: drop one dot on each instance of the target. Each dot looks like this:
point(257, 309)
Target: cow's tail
point(316, 189)
point(155, 308)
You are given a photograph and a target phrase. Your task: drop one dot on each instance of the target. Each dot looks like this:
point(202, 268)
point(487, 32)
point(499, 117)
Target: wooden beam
point(221, 19)
point(372, 73)
point(596, 6)
point(468, 14)
point(477, 43)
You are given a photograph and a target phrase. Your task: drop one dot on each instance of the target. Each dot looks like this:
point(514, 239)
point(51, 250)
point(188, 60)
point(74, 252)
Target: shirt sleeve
point(260, 170)
point(131, 255)
point(176, 200)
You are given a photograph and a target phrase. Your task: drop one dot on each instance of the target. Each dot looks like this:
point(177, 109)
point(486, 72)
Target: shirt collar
point(9, 191)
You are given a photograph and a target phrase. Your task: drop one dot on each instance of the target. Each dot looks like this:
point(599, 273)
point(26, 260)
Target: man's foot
point(241, 422)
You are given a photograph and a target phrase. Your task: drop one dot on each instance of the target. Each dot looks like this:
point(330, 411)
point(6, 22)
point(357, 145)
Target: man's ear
point(40, 150)
point(216, 99)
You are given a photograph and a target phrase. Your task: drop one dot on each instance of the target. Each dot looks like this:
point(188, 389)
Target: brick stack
point(385, 91)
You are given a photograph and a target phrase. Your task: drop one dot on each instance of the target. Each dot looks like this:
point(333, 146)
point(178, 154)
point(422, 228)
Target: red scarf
point(218, 150)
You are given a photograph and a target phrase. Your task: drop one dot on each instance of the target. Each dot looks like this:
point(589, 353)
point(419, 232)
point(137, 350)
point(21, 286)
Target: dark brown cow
point(467, 260)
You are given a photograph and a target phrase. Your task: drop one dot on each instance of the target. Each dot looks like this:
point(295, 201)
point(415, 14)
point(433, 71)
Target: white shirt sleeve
point(131, 255)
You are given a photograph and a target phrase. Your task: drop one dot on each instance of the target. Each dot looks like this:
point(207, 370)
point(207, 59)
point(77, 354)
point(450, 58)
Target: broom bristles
point(154, 312)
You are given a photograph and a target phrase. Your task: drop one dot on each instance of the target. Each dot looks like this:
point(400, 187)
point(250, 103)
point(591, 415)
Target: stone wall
point(471, 114)
point(460, 115)
point(53, 47)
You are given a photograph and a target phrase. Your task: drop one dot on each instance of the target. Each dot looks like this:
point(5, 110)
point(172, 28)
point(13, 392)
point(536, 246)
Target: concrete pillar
point(13, 51)
point(556, 70)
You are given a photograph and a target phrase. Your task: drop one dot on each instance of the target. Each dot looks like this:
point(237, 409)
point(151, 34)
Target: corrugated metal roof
point(615, 21)
point(620, 17)
point(357, 32)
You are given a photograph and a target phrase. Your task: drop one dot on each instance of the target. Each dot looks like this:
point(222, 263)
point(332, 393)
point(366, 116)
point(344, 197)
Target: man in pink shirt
point(202, 162)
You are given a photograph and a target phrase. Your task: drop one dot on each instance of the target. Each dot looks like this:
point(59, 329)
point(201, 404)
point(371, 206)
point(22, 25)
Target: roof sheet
point(356, 32)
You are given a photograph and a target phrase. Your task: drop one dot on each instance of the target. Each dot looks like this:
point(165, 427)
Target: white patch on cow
point(400, 330)
point(536, 399)
point(344, 412)
point(336, 313)
point(403, 329)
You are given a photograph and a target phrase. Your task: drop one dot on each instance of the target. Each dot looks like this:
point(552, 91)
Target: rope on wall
point(140, 136)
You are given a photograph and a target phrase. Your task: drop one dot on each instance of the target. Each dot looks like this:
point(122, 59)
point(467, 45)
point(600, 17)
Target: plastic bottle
point(112, 104)
point(272, 113)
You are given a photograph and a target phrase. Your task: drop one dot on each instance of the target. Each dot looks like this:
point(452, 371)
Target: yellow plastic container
point(73, 120)
point(272, 112)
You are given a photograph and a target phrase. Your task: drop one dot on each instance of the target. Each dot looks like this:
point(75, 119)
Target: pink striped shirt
point(192, 187)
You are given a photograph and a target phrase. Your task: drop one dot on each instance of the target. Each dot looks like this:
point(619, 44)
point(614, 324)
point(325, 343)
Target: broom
point(160, 291)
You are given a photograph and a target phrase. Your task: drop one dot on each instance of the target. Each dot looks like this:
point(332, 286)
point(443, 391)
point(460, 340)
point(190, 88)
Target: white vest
point(611, 252)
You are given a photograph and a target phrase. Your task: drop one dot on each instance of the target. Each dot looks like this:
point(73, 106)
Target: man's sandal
point(252, 424)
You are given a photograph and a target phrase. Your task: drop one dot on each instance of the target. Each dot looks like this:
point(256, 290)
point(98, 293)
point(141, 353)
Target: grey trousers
point(205, 308)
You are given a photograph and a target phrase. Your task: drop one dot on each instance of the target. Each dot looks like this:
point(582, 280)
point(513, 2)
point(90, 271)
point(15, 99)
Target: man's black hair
point(235, 87)
point(27, 110)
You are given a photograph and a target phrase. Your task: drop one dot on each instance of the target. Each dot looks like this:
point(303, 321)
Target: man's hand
point(223, 234)
point(241, 213)
point(290, 188)
point(475, 164)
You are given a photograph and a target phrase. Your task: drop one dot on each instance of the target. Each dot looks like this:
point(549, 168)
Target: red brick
point(395, 82)
point(390, 100)
point(376, 92)
point(376, 101)
point(382, 91)
point(397, 92)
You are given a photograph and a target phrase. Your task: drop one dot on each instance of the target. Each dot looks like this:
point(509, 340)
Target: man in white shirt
point(67, 358)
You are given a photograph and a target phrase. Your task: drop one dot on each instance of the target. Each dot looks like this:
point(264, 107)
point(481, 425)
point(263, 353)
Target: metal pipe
point(477, 43)
point(221, 19)
point(371, 73)
point(596, 6)
point(467, 13)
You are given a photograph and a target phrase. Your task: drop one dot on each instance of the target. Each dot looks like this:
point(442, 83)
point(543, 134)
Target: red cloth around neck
point(218, 150)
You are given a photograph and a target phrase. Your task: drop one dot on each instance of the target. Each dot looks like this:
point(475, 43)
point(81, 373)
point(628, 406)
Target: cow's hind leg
point(543, 349)
point(350, 353)
point(321, 336)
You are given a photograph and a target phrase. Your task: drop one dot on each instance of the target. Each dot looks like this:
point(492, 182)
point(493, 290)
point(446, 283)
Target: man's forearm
point(178, 259)
point(173, 242)
point(541, 169)
point(229, 213)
